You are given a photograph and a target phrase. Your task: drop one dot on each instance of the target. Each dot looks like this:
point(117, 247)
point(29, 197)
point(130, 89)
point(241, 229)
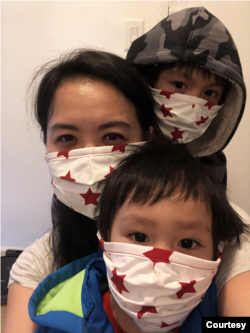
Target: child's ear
point(150, 134)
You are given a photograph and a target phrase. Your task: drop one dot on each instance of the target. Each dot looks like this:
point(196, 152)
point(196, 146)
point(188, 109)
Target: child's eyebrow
point(180, 74)
point(214, 82)
point(189, 225)
point(137, 219)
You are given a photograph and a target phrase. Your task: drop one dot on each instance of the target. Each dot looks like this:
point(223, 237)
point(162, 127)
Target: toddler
point(162, 232)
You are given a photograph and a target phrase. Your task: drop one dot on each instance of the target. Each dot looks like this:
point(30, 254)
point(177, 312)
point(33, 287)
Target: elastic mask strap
point(221, 246)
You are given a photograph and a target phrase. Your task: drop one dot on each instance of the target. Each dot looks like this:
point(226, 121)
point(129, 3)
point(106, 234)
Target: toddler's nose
point(195, 92)
point(163, 245)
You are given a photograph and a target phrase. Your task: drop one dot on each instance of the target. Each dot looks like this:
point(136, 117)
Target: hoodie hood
point(194, 35)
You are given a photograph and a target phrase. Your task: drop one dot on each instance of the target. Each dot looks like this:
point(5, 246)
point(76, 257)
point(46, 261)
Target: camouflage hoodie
point(195, 35)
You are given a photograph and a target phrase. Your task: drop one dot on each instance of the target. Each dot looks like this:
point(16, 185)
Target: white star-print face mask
point(79, 175)
point(183, 118)
point(157, 288)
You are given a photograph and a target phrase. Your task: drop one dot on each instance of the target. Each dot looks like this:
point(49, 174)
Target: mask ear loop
point(150, 134)
point(220, 248)
point(100, 240)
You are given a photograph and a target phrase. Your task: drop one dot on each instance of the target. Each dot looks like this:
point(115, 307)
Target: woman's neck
point(123, 319)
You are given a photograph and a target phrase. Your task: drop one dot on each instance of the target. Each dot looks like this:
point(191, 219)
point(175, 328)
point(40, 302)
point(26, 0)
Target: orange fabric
point(176, 330)
point(107, 308)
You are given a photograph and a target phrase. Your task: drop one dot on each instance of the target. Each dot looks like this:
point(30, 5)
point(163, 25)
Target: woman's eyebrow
point(63, 126)
point(114, 124)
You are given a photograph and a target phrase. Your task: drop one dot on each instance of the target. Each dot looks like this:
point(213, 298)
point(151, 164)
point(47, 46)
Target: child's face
point(192, 83)
point(182, 226)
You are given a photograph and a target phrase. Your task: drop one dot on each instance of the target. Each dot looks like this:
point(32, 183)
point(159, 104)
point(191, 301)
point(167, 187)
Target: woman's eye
point(179, 85)
point(113, 137)
point(209, 93)
point(67, 138)
point(188, 243)
point(140, 238)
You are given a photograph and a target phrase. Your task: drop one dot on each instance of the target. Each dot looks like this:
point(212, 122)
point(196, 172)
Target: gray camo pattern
point(190, 35)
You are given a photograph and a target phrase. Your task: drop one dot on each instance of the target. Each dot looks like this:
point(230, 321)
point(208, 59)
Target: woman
point(87, 99)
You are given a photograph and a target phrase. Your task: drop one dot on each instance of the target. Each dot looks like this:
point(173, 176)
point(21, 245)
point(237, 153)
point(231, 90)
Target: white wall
point(34, 32)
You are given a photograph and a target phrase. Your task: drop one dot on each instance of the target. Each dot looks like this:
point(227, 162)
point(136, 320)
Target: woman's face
point(90, 113)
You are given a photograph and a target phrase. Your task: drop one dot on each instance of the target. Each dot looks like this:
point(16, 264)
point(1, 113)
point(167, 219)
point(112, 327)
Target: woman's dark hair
point(73, 234)
point(155, 172)
point(96, 65)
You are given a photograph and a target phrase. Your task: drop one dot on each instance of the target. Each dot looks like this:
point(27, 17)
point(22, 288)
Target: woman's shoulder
point(34, 263)
point(235, 259)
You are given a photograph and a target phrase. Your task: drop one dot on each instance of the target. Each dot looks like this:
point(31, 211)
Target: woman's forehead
point(92, 99)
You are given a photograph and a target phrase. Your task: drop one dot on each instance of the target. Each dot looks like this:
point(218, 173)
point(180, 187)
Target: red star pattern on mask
point(166, 111)
point(186, 288)
point(119, 147)
point(209, 105)
point(202, 121)
point(202, 296)
point(144, 309)
point(177, 134)
point(64, 153)
point(118, 281)
point(67, 177)
point(167, 325)
point(111, 170)
point(158, 255)
point(52, 183)
point(193, 105)
point(90, 197)
point(167, 94)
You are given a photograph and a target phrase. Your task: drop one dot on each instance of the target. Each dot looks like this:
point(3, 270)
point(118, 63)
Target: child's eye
point(209, 93)
point(66, 138)
point(179, 85)
point(140, 238)
point(188, 243)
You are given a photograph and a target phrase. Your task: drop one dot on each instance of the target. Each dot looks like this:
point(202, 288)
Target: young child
point(162, 231)
point(192, 65)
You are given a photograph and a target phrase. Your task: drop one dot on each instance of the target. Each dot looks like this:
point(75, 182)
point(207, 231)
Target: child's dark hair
point(151, 74)
point(157, 171)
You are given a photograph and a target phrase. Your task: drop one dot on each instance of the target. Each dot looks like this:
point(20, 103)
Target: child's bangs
point(180, 187)
point(189, 68)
